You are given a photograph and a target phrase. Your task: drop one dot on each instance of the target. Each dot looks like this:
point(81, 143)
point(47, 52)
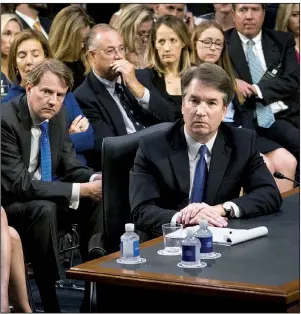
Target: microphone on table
point(280, 175)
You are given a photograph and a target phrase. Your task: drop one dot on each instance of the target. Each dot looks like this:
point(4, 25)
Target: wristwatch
point(229, 211)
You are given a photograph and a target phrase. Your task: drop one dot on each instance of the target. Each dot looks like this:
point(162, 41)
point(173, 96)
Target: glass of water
point(172, 237)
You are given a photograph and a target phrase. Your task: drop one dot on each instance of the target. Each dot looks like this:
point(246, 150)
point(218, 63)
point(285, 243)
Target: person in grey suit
point(30, 156)
point(195, 169)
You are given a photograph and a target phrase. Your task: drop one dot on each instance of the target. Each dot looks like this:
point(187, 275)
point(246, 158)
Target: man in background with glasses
point(111, 97)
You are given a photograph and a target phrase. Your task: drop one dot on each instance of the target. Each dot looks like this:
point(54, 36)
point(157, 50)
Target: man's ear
point(28, 89)
point(91, 56)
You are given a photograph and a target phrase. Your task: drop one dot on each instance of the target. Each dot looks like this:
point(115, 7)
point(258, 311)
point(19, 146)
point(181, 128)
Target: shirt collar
point(245, 39)
point(108, 84)
point(30, 21)
point(194, 146)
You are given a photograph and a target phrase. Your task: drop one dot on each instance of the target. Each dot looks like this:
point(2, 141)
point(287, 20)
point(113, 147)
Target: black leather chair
point(118, 154)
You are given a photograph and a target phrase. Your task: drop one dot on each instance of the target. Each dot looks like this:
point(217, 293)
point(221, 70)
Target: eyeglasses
point(208, 43)
point(112, 51)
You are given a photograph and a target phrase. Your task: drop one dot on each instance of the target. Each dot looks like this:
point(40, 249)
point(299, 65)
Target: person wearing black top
point(168, 55)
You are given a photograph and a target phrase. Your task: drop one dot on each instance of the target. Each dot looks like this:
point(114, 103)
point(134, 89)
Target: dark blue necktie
point(200, 177)
point(45, 153)
point(126, 106)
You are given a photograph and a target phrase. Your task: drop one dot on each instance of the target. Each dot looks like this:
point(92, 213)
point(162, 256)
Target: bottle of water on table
point(190, 249)
point(204, 235)
point(129, 245)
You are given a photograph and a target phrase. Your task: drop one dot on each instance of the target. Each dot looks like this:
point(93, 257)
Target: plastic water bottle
point(190, 249)
point(129, 245)
point(204, 235)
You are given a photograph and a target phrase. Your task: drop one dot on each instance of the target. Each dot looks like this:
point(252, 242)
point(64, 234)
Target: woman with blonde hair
point(210, 46)
point(288, 20)
point(168, 56)
point(134, 25)
point(66, 39)
point(10, 26)
point(29, 48)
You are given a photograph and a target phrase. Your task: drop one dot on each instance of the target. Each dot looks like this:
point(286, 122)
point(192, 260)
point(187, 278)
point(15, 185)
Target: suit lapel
point(218, 164)
point(179, 159)
point(238, 58)
point(25, 128)
point(270, 50)
point(108, 104)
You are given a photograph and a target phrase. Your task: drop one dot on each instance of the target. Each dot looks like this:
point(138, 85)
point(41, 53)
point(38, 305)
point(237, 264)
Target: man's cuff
point(74, 202)
point(144, 100)
point(259, 94)
point(236, 209)
point(174, 218)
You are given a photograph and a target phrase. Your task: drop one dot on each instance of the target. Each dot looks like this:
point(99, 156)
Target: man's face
point(46, 98)
point(170, 9)
point(38, 6)
point(248, 19)
point(110, 48)
point(223, 7)
point(203, 110)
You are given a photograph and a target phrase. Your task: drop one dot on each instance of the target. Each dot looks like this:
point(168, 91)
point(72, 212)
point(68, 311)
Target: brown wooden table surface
point(286, 295)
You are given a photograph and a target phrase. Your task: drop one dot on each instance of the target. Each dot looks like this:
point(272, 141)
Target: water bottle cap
point(190, 232)
point(129, 227)
point(203, 223)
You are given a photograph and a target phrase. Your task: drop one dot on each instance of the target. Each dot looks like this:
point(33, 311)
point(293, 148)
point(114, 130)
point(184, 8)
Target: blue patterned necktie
point(265, 116)
point(200, 178)
point(45, 153)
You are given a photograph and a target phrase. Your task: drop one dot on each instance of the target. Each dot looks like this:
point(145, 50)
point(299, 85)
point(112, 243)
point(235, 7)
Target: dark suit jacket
point(150, 78)
point(278, 47)
point(104, 114)
point(45, 22)
point(159, 180)
point(16, 181)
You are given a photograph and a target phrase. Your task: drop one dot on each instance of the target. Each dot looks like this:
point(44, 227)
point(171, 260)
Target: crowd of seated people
point(119, 78)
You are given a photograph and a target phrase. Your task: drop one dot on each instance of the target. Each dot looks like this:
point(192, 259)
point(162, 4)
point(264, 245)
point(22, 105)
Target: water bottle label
point(206, 245)
point(130, 248)
point(189, 253)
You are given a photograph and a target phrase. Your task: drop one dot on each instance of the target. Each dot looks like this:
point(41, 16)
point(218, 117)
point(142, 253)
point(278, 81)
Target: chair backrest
point(118, 155)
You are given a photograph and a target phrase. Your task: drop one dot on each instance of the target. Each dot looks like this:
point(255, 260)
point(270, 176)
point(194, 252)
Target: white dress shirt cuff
point(74, 202)
point(236, 209)
point(259, 93)
point(174, 218)
point(144, 101)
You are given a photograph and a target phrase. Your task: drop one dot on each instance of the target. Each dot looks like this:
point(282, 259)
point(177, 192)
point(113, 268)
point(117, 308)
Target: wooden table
point(268, 282)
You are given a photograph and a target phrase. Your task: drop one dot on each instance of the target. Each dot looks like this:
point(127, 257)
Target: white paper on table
point(225, 236)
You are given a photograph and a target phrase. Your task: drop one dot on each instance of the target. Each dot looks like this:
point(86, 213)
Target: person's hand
point(193, 213)
point(246, 89)
point(189, 20)
point(92, 190)
point(98, 176)
point(79, 124)
point(127, 71)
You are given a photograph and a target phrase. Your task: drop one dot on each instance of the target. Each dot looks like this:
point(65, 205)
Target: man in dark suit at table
point(195, 171)
point(35, 146)
point(273, 104)
point(111, 97)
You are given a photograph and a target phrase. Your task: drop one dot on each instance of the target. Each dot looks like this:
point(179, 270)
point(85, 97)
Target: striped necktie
point(265, 116)
point(37, 26)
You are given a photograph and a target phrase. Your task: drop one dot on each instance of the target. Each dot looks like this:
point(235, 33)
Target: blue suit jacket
point(82, 141)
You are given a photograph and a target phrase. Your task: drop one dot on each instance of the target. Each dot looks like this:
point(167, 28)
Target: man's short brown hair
point(211, 75)
point(53, 66)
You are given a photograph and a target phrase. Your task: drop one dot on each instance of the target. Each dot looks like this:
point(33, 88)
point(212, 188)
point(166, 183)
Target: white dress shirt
point(34, 159)
point(30, 21)
point(257, 49)
point(193, 157)
point(143, 102)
